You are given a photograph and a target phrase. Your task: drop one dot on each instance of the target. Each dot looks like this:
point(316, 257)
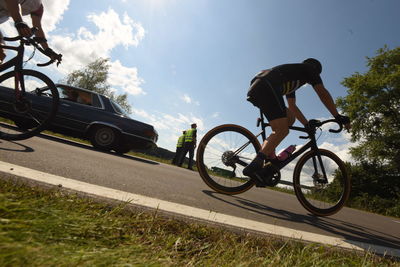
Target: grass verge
point(41, 227)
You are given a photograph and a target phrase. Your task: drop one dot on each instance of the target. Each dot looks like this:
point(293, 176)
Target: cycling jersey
point(27, 7)
point(290, 77)
point(269, 86)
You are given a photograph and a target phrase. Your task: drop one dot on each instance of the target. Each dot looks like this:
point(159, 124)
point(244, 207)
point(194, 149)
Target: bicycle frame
point(312, 144)
point(17, 62)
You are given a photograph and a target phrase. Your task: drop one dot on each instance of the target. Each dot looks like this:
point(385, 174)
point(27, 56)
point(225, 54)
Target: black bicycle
point(320, 179)
point(28, 98)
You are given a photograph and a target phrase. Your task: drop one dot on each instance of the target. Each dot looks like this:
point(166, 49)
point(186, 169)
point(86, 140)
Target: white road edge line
point(184, 210)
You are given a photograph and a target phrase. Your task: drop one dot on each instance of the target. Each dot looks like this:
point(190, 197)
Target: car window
point(96, 101)
point(119, 109)
point(74, 95)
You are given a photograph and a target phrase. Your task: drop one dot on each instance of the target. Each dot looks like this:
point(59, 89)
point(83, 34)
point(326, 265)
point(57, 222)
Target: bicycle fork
point(21, 105)
point(19, 85)
point(317, 177)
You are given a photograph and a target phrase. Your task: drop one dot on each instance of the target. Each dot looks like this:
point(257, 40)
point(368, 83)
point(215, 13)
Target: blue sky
point(184, 61)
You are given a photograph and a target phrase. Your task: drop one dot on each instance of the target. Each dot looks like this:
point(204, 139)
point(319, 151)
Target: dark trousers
point(177, 157)
point(188, 147)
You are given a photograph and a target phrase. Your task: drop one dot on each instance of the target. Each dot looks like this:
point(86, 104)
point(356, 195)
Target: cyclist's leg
point(271, 103)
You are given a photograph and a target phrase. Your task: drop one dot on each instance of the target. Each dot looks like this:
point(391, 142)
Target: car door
point(74, 115)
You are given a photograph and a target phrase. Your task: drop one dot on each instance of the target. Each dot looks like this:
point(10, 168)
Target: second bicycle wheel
point(221, 156)
point(321, 186)
point(23, 115)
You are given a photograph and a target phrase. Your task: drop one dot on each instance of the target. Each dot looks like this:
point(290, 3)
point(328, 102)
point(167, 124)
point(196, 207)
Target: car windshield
point(119, 109)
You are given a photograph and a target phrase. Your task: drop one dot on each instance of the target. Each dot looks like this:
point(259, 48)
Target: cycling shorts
point(268, 98)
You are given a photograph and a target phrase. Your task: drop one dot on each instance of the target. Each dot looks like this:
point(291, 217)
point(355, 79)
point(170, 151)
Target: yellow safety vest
point(189, 136)
point(181, 140)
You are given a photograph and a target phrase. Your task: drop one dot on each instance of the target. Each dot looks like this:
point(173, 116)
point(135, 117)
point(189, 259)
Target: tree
point(373, 105)
point(94, 77)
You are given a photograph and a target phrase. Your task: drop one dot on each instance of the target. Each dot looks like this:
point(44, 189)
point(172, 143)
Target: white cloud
point(84, 46)
point(215, 115)
point(342, 151)
point(126, 78)
point(186, 99)
point(53, 13)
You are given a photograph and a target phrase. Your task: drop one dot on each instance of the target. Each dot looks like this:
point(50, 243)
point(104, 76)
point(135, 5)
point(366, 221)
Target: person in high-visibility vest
point(189, 146)
point(179, 148)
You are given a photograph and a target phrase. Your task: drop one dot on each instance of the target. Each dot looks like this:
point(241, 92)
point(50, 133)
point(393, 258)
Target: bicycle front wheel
point(322, 185)
point(221, 156)
point(24, 114)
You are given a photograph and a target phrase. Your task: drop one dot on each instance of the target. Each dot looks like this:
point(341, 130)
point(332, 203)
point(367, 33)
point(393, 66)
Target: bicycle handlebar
point(33, 42)
point(318, 124)
point(12, 39)
point(334, 130)
point(315, 125)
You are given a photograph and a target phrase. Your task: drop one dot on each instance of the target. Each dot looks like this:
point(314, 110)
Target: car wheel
point(104, 138)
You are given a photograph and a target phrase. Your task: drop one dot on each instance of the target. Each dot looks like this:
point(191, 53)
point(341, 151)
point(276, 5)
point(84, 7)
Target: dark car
point(86, 114)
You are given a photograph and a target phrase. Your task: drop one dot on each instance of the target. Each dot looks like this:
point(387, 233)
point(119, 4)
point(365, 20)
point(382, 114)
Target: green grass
point(51, 228)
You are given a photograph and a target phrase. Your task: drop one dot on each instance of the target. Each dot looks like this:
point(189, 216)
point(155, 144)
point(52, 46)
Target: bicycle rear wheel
point(322, 197)
point(24, 116)
point(221, 156)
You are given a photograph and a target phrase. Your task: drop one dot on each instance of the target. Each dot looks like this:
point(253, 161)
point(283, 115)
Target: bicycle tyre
point(311, 195)
point(39, 111)
point(211, 143)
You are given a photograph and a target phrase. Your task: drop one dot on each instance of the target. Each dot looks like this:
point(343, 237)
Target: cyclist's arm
point(37, 23)
point(295, 110)
point(326, 98)
point(13, 10)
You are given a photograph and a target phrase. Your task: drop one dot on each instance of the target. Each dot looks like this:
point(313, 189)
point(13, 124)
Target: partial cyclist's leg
point(290, 120)
point(290, 116)
point(280, 129)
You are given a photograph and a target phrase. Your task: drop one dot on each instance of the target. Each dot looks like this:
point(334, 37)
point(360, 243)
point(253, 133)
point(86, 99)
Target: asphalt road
point(170, 183)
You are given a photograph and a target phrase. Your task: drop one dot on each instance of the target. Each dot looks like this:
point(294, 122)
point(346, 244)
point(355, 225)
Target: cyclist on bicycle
point(266, 92)
point(34, 8)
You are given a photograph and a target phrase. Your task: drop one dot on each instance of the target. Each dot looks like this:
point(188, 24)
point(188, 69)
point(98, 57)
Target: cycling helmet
point(315, 63)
